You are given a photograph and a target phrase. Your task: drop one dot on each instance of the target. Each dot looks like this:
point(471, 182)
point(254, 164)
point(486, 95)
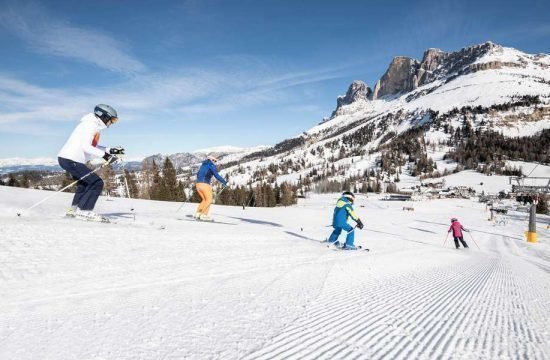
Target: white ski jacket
point(82, 144)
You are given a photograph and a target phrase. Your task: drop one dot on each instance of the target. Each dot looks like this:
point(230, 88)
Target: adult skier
point(456, 228)
point(343, 210)
point(204, 177)
point(81, 147)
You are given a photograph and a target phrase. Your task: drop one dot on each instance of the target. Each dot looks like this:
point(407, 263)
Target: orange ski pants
point(205, 192)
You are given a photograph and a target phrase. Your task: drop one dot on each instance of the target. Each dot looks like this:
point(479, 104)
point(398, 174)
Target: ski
point(113, 221)
point(191, 218)
point(336, 247)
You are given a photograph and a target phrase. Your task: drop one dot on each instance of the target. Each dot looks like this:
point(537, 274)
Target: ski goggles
point(113, 120)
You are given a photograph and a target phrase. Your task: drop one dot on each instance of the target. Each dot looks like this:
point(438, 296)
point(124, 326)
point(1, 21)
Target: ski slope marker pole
point(474, 240)
point(65, 188)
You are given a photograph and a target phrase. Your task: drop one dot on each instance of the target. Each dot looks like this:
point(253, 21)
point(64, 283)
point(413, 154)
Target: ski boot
point(88, 215)
point(335, 244)
point(205, 218)
point(71, 212)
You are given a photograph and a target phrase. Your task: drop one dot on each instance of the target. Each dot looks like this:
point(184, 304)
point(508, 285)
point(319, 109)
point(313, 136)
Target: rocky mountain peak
point(356, 91)
point(432, 59)
point(405, 74)
point(400, 77)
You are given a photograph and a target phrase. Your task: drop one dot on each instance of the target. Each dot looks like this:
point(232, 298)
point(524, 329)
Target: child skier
point(81, 146)
point(456, 228)
point(343, 210)
point(204, 176)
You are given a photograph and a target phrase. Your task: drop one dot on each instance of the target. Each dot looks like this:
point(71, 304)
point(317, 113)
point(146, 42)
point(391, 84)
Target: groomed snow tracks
point(477, 307)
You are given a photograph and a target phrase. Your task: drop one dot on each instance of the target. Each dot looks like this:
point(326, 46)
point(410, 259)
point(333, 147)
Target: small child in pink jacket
point(457, 228)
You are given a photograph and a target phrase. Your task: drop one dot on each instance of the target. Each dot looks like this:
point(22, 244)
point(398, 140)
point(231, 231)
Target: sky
point(192, 74)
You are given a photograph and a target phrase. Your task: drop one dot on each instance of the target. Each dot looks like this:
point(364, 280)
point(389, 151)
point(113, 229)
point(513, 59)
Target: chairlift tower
point(532, 188)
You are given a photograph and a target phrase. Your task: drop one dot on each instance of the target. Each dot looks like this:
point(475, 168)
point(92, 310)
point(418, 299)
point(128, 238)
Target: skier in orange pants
point(204, 176)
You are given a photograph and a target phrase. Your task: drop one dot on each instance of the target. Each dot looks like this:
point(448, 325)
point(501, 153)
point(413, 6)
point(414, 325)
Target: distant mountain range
point(186, 160)
point(180, 160)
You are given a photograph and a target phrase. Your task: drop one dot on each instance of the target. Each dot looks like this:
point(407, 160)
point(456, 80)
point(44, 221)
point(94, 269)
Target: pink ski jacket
point(457, 228)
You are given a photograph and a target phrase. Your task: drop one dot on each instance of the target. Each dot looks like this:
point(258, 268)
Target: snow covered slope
point(266, 288)
point(483, 87)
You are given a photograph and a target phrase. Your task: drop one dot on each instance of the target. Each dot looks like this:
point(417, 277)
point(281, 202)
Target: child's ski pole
point(474, 240)
point(446, 239)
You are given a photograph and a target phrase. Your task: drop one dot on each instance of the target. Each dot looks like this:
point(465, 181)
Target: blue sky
point(185, 75)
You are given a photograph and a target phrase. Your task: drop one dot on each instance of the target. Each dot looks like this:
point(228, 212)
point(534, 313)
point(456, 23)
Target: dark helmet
point(349, 195)
point(106, 113)
point(454, 219)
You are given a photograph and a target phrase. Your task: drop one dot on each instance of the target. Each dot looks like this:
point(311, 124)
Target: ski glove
point(110, 158)
point(360, 224)
point(119, 150)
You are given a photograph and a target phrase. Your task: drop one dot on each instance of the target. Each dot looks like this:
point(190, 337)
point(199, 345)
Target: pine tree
point(25, 182)
point(180, 194)
point(68, 179)
point(542, 206)
point(169, 185)
point(287, 195)
point(270, 200)
point(195, 197)
point(155, 189)
point(132, 184)
point(108, 176)
point(12, 181)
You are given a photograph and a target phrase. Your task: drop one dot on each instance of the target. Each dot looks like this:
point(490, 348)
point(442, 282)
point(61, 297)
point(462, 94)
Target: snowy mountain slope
point(186, 160)
point(7, 162)
point(9, 165)
point(229, 149)
point(266, 288)
point(487, 86)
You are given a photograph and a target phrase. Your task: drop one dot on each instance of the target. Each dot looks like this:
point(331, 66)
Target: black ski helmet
point(349, 195)
point(454, 219)
point(106, 113)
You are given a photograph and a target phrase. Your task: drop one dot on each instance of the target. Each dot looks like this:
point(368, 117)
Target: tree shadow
point(424, 230)
point(125, 215)
point(302, 236)
point(254, 221)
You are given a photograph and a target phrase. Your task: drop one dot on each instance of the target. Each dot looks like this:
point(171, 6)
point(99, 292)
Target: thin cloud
point(52, 36)
point(174, 94)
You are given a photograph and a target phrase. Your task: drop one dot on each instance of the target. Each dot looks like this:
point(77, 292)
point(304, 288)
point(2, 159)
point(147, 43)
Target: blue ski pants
point(88, 189)
point(338, 230)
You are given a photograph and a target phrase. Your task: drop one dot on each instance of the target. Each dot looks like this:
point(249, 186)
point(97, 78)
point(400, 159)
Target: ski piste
point(191, 218)
point(113, 221)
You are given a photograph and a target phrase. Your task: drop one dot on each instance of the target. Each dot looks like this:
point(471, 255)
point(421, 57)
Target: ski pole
point(474, 240)
point(128, 190)
point(446, 239)
point(335, 241)
point(219, 192)
point(183, 203)
point(186, 200)
point(65, 188)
